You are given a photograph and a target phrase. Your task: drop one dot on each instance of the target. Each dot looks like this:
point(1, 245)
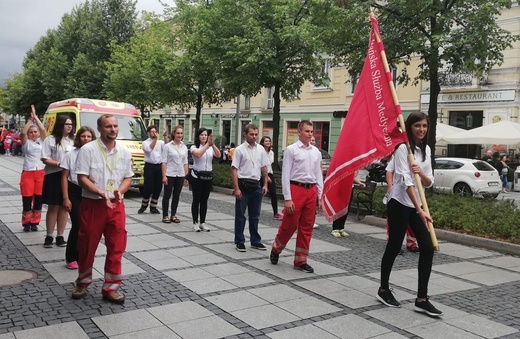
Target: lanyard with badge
point(111, 183)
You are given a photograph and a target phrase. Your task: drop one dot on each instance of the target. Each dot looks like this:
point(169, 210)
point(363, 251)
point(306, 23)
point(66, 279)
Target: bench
point(362, 199)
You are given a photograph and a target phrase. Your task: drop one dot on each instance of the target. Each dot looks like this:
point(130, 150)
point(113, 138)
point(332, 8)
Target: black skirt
point(52, 194)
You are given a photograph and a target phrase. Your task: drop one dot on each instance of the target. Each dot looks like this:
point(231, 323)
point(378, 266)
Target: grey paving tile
point(153, 255)
point(179, 312)
point(210, 327)
point(128, 267)
point(481, 326)
point(163, 240)
point(502, 261)
point(353, 299)
point(203, 238)
point(322, 286)
point(208, 285)
point(271, 316)
point(351, 326)
point(57, 331)
point(189, 274)
point(307, 307)
point(355, 282)
point(302, 332)
point(448, 285)
point(140, 229)
point(7, 336)
point(392, 335)
point(247, 279)
point(364, 229)
point(461, 268)
point(277, 293)
point(135, 244)
point(285, 269)
point(163, 332)
point(208, 258)
point(187, 251)
point(318, 246)
point(235, 301)
point(441, 330)
point(222, 270)
point(492, 277)
point(170, 263)
point(126, 322)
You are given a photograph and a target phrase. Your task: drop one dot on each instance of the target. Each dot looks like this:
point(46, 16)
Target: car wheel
point(462, 189)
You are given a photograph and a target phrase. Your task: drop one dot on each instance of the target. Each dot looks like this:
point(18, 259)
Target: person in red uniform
point(104, 170)
point(302, 184)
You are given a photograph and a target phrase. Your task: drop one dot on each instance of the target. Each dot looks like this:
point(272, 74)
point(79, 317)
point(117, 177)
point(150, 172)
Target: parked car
point(325, 156)
point(466, 177)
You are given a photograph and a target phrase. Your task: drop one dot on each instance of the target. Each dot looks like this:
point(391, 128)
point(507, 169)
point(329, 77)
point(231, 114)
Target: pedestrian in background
point(271, 183)
point(338, 225)
point(503, 171)
point(153, 149)
point(313, 143)
point(55, 146)
point(404, 208)
point(203, 151)
point(174, 172)
point(72, 193)
point(248, 166)
point(104, 169)
point(31, 181)
point(302, 185)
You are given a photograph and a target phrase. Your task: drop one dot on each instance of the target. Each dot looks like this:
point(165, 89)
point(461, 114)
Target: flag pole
point(410, 153)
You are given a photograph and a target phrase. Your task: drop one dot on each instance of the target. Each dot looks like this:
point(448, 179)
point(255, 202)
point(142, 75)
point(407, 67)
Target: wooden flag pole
point(410, 153)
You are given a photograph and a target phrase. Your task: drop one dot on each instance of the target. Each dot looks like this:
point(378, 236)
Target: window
point(324, 82)
point(270, 100)
point(247, 103)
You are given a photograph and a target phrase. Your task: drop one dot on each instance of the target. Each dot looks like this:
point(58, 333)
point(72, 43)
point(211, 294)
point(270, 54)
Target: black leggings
point(175, 185)
point(71, 253)
point(339, 224)
point(399, 216)
point(200, 189)
point(272, 192)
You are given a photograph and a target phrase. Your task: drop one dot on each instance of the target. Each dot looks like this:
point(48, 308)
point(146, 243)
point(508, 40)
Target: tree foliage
point(446, 35)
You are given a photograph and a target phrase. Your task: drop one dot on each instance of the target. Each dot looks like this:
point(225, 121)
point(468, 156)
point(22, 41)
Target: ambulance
point(85, 112)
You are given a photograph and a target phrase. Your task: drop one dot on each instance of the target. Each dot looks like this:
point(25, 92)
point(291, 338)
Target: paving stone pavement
point(182, 284)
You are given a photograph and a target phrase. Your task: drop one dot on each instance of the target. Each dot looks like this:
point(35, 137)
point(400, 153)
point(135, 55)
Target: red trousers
point(301, 220)
point(97, 219)
point(31, 184)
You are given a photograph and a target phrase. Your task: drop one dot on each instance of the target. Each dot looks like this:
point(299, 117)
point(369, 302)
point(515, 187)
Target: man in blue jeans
point(248, 165)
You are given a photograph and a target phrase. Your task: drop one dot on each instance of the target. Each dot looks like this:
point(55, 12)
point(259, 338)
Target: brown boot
point(114, 297)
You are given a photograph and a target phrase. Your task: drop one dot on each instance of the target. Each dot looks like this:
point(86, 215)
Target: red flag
point(370, 130)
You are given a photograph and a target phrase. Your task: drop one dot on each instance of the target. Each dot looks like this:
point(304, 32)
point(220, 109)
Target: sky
point(23, 22)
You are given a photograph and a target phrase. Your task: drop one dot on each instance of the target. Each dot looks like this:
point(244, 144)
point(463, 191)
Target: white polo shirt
point(56, 153)
point(302, 164)
point(175, 157)
point(32, 151)
point(248, 160)
point(152, 156)
point(69, 163)
point(101, 167)
point(270, 158)
point(403, 176)
point(205, 162)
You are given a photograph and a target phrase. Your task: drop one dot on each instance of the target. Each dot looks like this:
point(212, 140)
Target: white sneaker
point(196, 227)
point(203, 227)
point(315, 226)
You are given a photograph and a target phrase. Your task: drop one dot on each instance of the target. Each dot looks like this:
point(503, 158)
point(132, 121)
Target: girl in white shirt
point(72, 193)
point(174, 172)
point(31, 182)
point(271, 184)
point(404, 208)
point(54, 148)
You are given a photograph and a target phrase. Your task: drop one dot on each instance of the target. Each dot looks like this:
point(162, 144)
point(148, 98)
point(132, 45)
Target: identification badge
point(111, 185)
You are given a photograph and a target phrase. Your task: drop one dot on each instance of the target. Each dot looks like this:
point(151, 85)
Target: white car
point(466, 177)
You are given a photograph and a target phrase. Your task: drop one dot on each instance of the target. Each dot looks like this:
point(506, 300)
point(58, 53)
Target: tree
point(276, 44)
point(446, 35)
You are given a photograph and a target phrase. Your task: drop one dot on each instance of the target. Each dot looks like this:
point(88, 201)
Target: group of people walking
point(78, 175)
point(93, 174)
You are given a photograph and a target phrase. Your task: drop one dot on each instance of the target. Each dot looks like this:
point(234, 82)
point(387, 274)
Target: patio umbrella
point(444, 130)
point(500, 133)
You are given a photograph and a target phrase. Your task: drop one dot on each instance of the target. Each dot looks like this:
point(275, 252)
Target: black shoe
point(259, 247)
point(426, 307)
point(414, 250)
point(141, 210)
point(26, 228)
point(48, 242)
point(34, 228)
point(387, 298)
point(241, 247)
point(274, 257)
point(60, 241)
point(305, 268)
point(154, 210)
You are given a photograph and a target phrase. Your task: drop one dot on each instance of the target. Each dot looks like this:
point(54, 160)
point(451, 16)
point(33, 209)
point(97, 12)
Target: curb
point(459, 238)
